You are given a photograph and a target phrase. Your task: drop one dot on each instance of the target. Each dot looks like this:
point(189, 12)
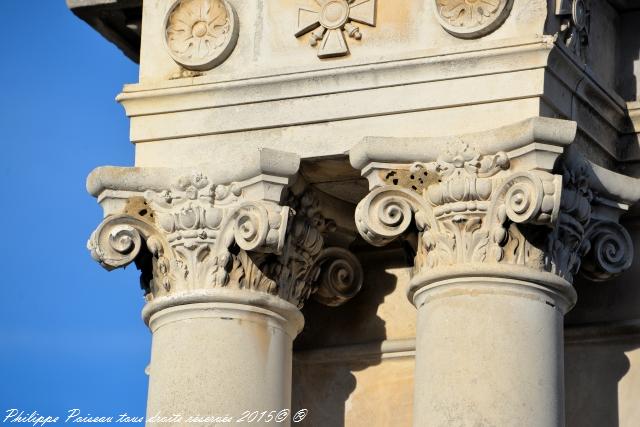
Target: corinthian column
point(225, 266)
point(503, 220)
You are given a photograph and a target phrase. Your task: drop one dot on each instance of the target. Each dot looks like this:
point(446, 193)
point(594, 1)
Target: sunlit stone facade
point(389, 213)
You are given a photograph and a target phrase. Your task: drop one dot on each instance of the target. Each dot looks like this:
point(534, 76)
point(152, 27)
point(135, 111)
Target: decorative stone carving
point(190, 230)
point(566, 244)
point(327, 19)
point(524, 207)
point(609, 251)
point(606, 250)
point(472, 18)
point(471, 210)
point(341, 277)
point(198, 235)
point(201, 34)
point(575, 26)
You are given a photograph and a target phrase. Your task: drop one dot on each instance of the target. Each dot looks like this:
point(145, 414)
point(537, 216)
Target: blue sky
point(71, 334)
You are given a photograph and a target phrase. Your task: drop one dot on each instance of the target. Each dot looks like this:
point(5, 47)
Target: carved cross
point(327, 19)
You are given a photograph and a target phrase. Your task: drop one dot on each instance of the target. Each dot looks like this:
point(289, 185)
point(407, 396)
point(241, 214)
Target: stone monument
point(383, 212)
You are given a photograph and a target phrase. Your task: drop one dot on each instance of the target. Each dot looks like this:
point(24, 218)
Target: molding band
point(258, 300)
point(562, 292)
point(368, 352)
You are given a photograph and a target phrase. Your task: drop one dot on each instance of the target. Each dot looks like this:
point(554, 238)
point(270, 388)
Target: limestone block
point(356, 386)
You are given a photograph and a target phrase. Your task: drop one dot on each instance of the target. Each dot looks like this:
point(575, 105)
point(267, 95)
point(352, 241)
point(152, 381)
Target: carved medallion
point(329, 19)
point(472, 18)
point(201, 34)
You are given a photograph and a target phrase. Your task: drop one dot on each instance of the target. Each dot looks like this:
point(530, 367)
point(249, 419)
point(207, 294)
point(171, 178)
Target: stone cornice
point(290, 98)
point(116, 20)
point(611, 187)
point(574, 92)
point(393, 67)
point(262, 96)
point(572, 72)
point(632, 139)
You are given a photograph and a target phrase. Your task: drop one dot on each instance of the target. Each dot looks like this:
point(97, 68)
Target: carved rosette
point(201, 34)
point(470, 208)
point(197, 236)
point(471, 18)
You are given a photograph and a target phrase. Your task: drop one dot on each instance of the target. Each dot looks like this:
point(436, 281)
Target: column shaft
point(489, 353)
point(219, 359)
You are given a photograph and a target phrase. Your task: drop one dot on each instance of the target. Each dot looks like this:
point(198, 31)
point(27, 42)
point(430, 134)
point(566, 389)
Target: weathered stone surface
point(504, 220)
point(215, 257)
point(499, 150)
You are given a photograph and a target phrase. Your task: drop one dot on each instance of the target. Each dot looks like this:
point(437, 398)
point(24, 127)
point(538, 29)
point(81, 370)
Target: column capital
point(198, 237)
point(515, 202)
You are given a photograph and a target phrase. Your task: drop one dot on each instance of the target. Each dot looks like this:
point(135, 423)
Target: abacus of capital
point(408, 212)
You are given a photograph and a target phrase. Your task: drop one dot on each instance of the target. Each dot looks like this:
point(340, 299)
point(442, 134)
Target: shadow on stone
point(593, 371)
point(337, 343)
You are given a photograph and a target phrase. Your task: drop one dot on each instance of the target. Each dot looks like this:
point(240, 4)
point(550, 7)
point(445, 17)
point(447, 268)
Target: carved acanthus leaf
point(196, 235)
point(190, 231)
point(473, 208)
point(565, 245)
point(305, 267)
